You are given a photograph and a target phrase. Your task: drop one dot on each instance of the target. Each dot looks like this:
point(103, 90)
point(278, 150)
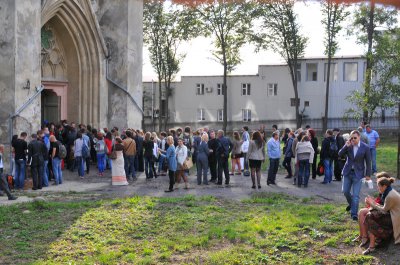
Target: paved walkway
point(239, 188)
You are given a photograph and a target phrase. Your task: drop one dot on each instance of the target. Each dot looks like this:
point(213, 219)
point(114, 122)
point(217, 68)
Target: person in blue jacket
point(172, 163)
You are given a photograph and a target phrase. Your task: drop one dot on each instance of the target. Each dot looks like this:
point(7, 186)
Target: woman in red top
point(109, 143)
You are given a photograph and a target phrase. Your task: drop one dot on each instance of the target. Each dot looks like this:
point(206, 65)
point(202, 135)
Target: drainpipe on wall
point(121, 87)
point(39, 90)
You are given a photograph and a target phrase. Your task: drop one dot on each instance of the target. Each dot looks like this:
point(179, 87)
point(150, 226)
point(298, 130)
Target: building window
point(246, 115)
point(199, 89)
point(312, 71)
point(220, 115)
point(298, 72)
point(293, 102)
point(333, 72)
point(245, 89)
point(200, 115)
point(220, 91)
point(350, 72)
point(272, 89)
point(306, 103)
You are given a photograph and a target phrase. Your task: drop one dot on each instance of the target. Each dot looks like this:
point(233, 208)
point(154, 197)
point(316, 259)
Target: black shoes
point(169, 190)
point(288, 177)
point(253, 187)
point(12, 198)
point(348, 208)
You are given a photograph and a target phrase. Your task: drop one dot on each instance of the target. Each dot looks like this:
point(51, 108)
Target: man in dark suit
point(358, 166)
point(36, 149)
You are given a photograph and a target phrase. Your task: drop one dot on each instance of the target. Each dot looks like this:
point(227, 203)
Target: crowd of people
point(349, 158)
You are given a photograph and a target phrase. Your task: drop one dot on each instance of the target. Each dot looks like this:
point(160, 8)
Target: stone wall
point(121, 25)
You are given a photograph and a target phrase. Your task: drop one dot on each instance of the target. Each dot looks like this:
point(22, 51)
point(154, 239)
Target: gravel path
point(239, 188)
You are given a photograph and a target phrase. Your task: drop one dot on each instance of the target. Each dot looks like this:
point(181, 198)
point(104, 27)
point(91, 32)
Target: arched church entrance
point(70, 62)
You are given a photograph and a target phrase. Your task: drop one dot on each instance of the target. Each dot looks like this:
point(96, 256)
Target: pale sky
point(198, 60)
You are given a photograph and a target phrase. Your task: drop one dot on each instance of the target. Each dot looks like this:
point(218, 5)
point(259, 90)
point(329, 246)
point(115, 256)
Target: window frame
point(335, 72)
point(246, 115)
point(220, 111)
point(246, 89)
point(201, 115)
point(274, 87)
point(220, 90)
point(200, 89)
point(312, 76)
point(344, 71)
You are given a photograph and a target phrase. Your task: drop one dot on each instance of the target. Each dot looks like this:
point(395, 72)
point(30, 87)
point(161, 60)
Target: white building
point(266, 98)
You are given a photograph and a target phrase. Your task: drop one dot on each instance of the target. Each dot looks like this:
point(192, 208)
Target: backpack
point(10, 182)
point(333, 149)
point(101, 146)
point(85, 150)
point(62, 151)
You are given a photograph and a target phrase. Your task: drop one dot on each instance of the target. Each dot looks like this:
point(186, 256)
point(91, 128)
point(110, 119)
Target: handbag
point(320, 169)
point(188, 164)
point(113, 154)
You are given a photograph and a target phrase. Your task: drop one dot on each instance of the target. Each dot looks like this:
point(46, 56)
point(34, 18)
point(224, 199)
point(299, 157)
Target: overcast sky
point(198, 60)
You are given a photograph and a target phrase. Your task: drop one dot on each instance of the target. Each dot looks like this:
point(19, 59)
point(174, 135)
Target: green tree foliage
point(281, 32)
point(333, 16)
point(229, 23)
point(369, 20)
point(165, 27)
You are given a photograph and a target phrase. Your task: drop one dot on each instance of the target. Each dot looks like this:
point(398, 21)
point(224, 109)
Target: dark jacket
point(288, 147)
point(340, 143)
point(148, 148)
point(325, 148)
point(36, 150)
point(139, 144)
point(213, 145)
point(202, 150)
point(361, 163)
point(314, 143)
point(224, 148)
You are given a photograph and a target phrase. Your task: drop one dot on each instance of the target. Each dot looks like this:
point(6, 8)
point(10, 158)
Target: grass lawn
point(267, 229)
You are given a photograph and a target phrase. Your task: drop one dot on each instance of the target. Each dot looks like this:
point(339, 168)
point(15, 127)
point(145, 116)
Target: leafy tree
point(165, 26)
point(229, 23)
point(333, 15)
point(282, 34)
point(369, 20)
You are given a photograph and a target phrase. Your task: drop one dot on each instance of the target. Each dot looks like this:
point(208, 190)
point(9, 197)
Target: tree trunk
point(225, 90)
point(368, 74)
point(398, 144)
point(159, 106)
point(296, 96)
point(325, 120)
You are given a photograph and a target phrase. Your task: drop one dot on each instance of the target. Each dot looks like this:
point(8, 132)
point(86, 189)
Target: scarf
point(385, 193)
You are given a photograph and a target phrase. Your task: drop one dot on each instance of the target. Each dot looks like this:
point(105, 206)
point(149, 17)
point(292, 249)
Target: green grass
point(266, 229)
point(386, 157)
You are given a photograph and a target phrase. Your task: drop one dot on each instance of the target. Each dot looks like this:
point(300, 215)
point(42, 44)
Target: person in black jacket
point(139, 164)
point(338, 161)
point(326, 155)
point(148, 146)
point(223, 151)
point(314, 143)
point(36, 149)
point(212, 157)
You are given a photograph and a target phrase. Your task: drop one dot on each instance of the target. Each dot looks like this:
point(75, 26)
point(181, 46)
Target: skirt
point(118, 170)
point(379, 224)
point(255, 164)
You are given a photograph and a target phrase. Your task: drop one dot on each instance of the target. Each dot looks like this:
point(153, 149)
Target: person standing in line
point(55, 159)
point(274, 154)
point(181, 156)
point(172, 163)
point(314, 143)
point(87, 147)
point(36, 161)
point(305, 157)
point(236, 153)
point(363, 135)
point(224, 149)
point(298, 136)
point(101, 149)
point(45, 154)
point(374, 140)
point(129, 155)
point(212, 157)
point(245, 148)
point(256, 156)
point(288, 153)
point(109, 143)
point(357, 167)
point(78, 146)
point(327, 154)
point(118, 169)
point(162, 147)
point(139, 164)
point(202, 160)
point(338, 161)
point(20, 148)
point(148, 146)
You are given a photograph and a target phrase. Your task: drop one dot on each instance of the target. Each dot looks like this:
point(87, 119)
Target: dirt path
point(239, 188)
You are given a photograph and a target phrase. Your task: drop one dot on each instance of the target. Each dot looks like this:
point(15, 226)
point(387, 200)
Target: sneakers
point(12, 198)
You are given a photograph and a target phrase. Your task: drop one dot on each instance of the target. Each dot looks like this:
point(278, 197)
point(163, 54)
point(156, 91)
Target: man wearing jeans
point(327, 155)
point(274, 153)
point(20, 147)
point(373, 138)
point(358, 166)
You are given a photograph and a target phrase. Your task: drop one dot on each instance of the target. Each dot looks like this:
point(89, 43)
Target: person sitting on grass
point(383, 221)
point(362, 214)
